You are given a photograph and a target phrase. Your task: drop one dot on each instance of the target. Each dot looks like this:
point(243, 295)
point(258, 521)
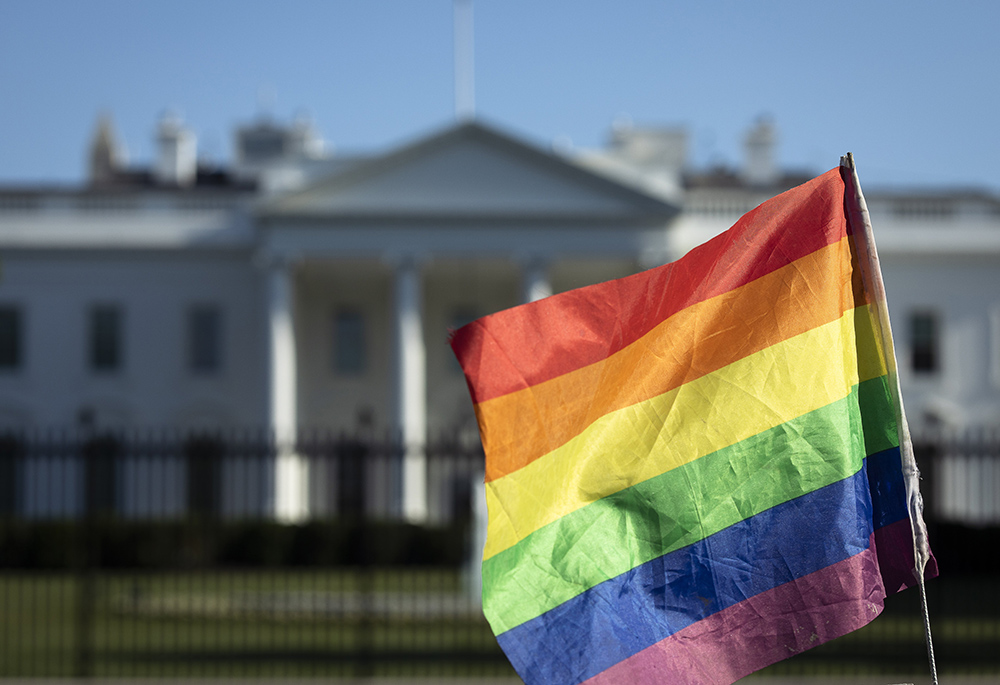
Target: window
point(924, 354)
point(10, 337)
point(106, 348)
point(350, 351)
point(204, 339)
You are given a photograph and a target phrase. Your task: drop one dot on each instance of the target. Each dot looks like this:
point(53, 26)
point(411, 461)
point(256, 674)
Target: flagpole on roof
point(871, 271)
point(465, 89)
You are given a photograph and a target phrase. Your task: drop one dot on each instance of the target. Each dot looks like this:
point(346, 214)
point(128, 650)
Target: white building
point(300, 289)
point(939, 249)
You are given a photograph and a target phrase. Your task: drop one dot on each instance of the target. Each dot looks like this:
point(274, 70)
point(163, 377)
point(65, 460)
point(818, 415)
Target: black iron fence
point(167, 554)
point(226, 475)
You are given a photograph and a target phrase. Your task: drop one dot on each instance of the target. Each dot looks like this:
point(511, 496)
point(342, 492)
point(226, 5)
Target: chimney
point(759, 167)
point(107, 157)
point(662, 149)
point(302, 140)
point(177, 161)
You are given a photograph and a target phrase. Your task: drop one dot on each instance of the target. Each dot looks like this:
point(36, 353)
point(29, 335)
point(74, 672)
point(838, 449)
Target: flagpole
point(465, 86)
point(871, 272)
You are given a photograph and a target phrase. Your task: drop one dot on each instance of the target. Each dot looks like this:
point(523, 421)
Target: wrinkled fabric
point(699, 470)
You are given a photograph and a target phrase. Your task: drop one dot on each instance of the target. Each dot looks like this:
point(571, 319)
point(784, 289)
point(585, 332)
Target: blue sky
point(909, 87)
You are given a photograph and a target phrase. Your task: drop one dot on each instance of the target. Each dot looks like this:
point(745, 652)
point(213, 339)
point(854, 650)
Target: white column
point(535, 284)
point(291, 470)
point(411, 386)
point(480, 522)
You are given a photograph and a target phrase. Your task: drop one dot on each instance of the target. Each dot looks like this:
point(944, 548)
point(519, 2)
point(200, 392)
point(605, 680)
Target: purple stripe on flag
point(893, 534)
point(668, 594)
point(762, 629)
point(894, 543)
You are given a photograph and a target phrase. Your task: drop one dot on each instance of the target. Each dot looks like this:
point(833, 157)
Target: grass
point(965, 621)
point(242, 624)
point(308, 623)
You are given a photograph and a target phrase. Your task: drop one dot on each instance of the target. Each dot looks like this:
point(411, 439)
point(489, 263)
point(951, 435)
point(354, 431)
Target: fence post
point(357, 458)
point(85, 558)
point(101, 456)
point(84, 667)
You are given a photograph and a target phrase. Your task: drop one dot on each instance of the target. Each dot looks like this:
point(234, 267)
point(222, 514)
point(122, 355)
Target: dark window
point(924, 342)
point(350, 351)
point(204, 333)
point(10, 337)
point(106, 347)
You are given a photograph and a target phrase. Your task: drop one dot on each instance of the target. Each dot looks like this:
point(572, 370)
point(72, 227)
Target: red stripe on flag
point(517, 348)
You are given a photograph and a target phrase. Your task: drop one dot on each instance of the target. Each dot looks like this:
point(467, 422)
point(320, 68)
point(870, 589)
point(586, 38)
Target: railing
point(155, 555)
point(961, 470)
point(158, 555)
point(117, 203)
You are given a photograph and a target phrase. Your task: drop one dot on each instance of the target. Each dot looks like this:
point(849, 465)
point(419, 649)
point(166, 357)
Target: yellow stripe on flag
point(811, 291)
point(638, 442)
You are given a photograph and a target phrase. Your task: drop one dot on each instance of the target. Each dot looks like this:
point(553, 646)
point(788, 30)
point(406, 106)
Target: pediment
point(467, 171)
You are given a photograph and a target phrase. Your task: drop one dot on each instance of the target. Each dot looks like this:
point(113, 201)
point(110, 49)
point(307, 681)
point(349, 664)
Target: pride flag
point(696, 471)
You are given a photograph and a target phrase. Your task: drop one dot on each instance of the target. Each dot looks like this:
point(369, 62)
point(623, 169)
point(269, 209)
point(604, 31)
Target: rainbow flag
point(696, 471)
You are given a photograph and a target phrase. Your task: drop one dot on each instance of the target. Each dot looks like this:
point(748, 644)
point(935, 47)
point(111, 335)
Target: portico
point(387, 256)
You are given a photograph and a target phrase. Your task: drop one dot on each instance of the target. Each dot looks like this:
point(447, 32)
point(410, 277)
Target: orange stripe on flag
point(525, 425)
point(521, 347)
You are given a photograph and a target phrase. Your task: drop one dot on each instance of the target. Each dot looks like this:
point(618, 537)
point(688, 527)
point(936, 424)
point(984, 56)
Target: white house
point(939, 249)
point(299, 289)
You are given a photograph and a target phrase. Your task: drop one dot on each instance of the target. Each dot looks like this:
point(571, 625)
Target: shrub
point(188, 544)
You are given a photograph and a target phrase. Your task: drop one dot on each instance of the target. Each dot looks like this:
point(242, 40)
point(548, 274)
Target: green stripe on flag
point(684, 505)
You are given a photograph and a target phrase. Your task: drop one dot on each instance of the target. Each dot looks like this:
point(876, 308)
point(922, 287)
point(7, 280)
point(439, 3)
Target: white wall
point(327, 399)
point(154, 387)
point(962, 291)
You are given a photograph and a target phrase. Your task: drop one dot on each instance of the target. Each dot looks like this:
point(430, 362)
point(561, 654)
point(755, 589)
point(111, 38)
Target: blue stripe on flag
point(885, 475)
point(624, 615)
